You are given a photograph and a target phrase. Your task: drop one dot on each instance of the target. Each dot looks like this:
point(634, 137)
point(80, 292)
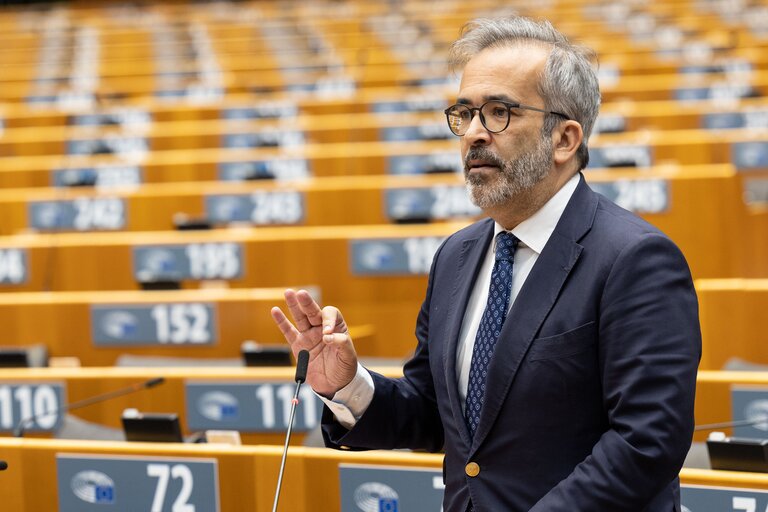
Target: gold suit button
point(472, 469)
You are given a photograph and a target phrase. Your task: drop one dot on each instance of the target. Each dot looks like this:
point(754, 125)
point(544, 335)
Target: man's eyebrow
point(492, 97)
point(499, 97)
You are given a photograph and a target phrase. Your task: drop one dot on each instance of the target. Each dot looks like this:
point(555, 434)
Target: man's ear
point(567, 137)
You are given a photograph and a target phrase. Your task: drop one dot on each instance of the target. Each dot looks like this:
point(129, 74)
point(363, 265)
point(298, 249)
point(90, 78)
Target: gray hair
point(568, 84)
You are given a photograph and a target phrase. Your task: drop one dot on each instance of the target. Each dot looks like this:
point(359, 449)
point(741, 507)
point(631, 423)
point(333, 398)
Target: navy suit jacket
point(590, 391)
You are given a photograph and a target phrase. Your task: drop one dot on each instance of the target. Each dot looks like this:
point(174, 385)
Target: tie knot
point(506, 243)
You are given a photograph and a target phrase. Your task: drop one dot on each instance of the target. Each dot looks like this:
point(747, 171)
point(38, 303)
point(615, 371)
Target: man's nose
point(477, 134)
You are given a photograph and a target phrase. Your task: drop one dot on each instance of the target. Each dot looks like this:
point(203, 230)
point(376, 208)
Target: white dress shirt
point(350, 402)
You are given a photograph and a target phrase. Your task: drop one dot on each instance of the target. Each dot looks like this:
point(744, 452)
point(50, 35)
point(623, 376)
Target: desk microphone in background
point(731, 424)
point(737, 453)
point(301, 375)
point(24, 423)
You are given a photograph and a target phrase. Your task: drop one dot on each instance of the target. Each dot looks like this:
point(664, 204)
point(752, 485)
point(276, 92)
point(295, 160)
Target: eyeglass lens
point(494, 115)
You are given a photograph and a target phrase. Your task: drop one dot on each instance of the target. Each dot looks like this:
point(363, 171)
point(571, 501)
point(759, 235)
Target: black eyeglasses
point(494, 115)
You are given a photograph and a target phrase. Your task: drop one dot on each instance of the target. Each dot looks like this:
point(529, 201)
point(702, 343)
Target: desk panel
point(85, 383)
point(674, 198)
point(99, 326)
point(714, 403)
point(248, 475)
point(732, 315)
point(743, 147)
point(271, 257)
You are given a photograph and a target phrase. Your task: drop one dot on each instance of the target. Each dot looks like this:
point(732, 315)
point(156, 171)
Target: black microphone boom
point(302, 364)
point(25, 422)
point(730, 424)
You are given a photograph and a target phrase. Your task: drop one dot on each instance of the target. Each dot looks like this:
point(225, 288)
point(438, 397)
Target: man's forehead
point(516, 55)
point(511, 71)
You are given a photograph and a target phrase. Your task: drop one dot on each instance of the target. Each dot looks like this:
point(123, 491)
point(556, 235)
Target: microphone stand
point(24, 423)
point(301, 376)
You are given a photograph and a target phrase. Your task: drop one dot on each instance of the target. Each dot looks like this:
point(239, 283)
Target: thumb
point(336, 338)
point(333, 322)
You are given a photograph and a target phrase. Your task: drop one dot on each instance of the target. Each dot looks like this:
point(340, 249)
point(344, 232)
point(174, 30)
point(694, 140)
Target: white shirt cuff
point(350, 402)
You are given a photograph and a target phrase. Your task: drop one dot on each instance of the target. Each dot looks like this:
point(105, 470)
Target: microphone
point(729, 424)
point(24, 423)
point(301, 375)
point(3, 465)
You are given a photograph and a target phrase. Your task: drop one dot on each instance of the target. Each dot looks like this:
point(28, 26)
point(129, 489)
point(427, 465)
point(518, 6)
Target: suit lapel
point(470, 259)
point(534, 302)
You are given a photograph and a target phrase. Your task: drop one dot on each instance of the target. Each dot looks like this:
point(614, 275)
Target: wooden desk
point(676, 199)
point(294, 131)
point(169, 397)
point(99, 326)
point(247, 475)
point(271, 257)
point(311, 202)
point(638, 149)
point(306, 111)
point(714, 400)
point(732, 312)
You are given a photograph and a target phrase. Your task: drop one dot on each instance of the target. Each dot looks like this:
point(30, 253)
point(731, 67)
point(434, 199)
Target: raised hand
point(323, 332)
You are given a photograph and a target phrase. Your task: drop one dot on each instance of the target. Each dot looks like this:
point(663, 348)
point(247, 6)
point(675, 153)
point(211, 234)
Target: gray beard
point(514, 176)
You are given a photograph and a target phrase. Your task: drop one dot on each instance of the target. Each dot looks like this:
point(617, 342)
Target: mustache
point(484, 154)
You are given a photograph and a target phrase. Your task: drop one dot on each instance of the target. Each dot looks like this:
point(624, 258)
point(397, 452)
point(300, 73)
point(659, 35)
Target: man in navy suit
point(557, 378)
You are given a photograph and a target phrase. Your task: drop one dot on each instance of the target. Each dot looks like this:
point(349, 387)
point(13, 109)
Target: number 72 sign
point(127, 483)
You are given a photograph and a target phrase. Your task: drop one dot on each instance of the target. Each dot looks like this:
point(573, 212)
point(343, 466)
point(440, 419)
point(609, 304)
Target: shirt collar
point(534, 232)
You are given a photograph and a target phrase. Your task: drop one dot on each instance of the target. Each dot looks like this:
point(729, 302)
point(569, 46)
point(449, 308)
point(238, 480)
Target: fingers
point(299, 317)
point(309, 307)
point(297, 340)
point(286, 327)
point(308, 318)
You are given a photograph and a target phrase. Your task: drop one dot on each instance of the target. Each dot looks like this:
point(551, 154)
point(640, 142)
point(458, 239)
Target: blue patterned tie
point(490, 326)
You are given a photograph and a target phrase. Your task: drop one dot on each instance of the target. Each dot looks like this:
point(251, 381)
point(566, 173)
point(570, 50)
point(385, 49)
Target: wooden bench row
point(245, 478)
point(307, 111)
point(346, 29)
point(714, 400)
point(243, 53)
point(668, 196)
point(698, 206)
point(375, 273)
point(237, 128)
point(129, 160)
point(638, 87)
point(98, 327)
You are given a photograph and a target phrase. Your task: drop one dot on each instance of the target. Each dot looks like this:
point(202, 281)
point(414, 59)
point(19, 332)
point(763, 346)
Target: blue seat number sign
point(250, 406)
point(161, 324)
point(103, 483)
point(196, 261)
point(390, 489)
point(31, 403)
